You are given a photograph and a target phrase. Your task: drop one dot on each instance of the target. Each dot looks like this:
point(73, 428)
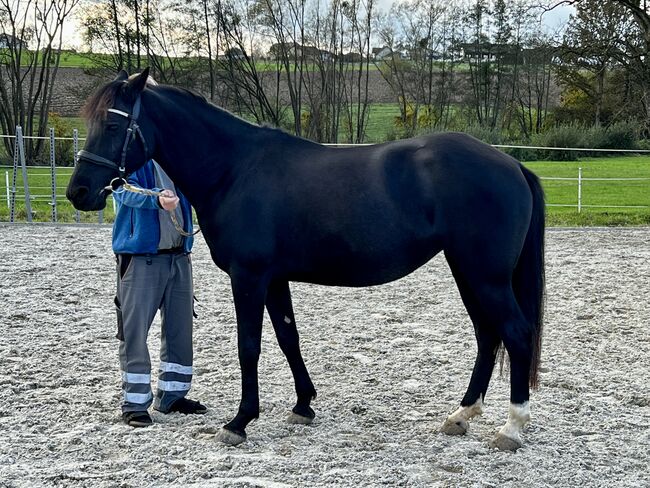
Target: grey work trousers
point(146, 284)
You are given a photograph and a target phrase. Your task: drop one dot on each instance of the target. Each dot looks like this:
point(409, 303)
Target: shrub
point(63, 149)
point(561, 136)
point(621, 135)
point(524, 154)
point(485, 134)
point(643, 144)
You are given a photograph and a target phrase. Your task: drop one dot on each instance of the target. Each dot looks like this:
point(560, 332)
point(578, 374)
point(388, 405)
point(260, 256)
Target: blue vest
point(136, 229)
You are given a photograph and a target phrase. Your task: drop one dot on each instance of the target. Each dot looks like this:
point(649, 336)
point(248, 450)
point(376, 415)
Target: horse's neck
point(199, 146)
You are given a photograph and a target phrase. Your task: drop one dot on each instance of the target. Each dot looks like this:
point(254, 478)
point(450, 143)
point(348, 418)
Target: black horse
point(276, 208)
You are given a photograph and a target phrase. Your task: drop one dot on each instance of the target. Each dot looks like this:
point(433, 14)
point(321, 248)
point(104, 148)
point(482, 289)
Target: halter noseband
point(132, 130)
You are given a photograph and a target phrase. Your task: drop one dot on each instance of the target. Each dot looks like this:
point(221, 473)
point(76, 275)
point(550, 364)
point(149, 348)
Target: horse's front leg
point(278, 304)
point(249, 293)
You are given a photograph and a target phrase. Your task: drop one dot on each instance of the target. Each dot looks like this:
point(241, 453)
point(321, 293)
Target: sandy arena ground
point(389, 364)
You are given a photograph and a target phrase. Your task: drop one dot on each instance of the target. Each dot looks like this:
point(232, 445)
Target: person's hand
point(168, 200)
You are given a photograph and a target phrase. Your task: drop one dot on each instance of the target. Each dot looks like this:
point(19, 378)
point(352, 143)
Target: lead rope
point(134, 189)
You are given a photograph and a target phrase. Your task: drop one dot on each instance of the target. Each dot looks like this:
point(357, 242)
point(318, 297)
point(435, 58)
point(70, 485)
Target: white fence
point(54, 195)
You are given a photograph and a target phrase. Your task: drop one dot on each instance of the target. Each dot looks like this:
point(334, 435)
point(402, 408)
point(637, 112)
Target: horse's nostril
point(78, 193)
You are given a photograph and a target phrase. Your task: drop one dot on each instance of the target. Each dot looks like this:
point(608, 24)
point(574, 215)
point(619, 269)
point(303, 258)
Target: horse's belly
point(363, 269)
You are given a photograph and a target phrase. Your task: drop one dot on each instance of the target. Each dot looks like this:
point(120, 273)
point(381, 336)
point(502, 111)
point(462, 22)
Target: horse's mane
point(99, 102)
point(192, 93)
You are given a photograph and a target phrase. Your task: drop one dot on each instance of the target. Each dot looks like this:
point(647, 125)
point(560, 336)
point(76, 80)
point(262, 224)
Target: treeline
point(487, 67)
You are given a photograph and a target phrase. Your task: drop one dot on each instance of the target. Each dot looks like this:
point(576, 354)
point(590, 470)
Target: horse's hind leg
point(491, 302)
point(472, 403)
point(278, 304)
point(488, 342)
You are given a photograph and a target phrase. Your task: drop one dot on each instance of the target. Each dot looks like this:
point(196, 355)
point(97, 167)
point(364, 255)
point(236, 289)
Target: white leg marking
point(467, 413)
point(457, 422)
point(518, 417)
point(287, 320)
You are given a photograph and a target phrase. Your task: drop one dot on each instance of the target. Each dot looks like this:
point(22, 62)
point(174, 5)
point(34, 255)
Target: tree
point(532, 61)
point(162, 34)
point(594, 38)
point(418, 68)
point(635, 55)
point(29, 65)
point(247, 87)
point(479, 54)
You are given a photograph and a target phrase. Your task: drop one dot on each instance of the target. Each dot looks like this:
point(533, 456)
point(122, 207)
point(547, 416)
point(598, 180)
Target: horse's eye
point(111, 127)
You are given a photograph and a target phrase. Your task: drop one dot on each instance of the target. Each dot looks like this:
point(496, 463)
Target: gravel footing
point(389, 364)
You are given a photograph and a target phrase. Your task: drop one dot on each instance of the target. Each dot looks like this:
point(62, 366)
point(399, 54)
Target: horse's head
point(120, 140)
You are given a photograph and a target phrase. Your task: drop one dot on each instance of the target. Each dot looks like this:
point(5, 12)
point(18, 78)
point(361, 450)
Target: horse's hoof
point(229, 438)
point(295, 418)
point(505, 443)
point(455, 427)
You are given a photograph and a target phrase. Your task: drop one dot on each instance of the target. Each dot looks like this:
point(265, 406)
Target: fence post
point(21, 150)
point(75, 149)
point(53, 172)
point(8, 192)
point(12, 209)
point(579, 190)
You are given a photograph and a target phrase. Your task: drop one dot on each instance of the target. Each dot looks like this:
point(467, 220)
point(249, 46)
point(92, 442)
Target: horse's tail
point(528, 278)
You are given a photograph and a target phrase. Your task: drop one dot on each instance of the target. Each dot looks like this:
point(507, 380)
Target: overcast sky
point(554, 20)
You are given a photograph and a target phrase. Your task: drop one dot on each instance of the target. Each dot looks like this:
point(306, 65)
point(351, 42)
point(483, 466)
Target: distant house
point(505, 53)
point(9, 41)
point(382, 52)
point(299, 51)
point(424, 53)
point(539, 55)
point(485, 51)
point(400, 52)
point(352, 57)
point(234, 53)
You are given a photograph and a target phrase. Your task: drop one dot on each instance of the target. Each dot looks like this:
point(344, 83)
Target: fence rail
point(56, 193)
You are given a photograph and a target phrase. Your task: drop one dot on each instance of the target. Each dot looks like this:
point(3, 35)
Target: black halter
point(132, 130)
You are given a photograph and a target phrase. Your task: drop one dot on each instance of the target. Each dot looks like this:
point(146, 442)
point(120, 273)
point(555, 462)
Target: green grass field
point(597, 194)
point(563, 192)
point(40, 188)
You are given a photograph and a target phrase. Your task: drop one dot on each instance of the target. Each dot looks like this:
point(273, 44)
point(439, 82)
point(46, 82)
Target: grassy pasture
point(597, 194)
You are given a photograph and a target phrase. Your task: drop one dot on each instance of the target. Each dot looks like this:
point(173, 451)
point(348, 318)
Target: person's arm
point(136, 200)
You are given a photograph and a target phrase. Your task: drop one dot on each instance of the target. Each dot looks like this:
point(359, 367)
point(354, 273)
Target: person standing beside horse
point(154, 272)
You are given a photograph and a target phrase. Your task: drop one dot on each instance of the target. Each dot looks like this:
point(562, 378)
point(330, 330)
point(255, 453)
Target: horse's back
point(439, 182)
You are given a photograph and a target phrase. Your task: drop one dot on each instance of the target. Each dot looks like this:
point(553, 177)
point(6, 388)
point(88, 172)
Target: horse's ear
point(138, 82)
point(121, 76)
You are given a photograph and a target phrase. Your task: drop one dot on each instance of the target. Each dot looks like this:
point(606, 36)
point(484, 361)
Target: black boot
point(137, 419)
point(186, 406)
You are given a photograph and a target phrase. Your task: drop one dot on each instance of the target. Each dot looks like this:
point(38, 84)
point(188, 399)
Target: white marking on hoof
point(230, 438)
point(457, 423)
point(294, 418)
point(509, 437)
point(287, 320)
